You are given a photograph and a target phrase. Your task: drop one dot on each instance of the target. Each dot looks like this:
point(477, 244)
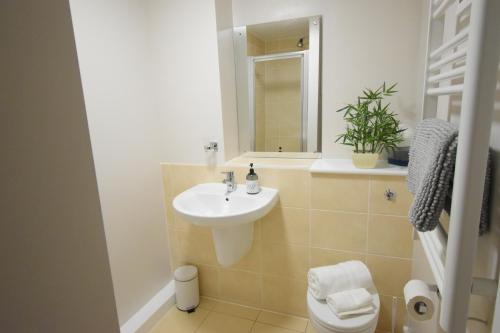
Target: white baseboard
point(144, 319)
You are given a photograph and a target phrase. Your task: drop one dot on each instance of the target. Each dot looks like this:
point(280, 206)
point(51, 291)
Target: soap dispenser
point(252, 181)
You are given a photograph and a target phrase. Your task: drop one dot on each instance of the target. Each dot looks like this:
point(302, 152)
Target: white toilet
point(325, 321)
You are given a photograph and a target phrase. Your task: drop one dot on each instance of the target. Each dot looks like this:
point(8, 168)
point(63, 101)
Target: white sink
point(208, 205)
point(231, 216)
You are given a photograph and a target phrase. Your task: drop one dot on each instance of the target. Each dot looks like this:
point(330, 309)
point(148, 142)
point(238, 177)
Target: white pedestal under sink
point(232, 243)
point(231, 216)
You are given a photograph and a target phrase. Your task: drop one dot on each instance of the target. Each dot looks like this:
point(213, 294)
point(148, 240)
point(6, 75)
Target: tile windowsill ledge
point(345, 166)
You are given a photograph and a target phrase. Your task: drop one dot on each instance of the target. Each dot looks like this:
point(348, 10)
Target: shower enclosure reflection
point(278, 85)
point(280, 115)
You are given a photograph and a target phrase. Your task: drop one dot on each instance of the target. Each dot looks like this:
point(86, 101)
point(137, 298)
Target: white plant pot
point(365, 160)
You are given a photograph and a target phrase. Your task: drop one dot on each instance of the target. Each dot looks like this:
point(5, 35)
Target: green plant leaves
point(371, 126)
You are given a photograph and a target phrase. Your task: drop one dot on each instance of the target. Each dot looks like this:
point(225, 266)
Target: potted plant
point(371, 126)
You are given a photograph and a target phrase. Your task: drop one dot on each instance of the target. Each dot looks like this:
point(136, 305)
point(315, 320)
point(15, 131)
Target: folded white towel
point(348, 275)
point(350, 302)
point(358, 312)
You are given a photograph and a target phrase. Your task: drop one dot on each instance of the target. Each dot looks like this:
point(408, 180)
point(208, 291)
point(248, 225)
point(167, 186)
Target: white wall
point(364, 43)
point(187, 78)
point(55, 274)
point(116, 64)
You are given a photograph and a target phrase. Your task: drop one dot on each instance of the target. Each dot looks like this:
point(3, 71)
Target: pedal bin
point(187, 292)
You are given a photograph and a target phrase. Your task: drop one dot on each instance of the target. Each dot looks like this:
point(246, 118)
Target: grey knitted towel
point(430, 174)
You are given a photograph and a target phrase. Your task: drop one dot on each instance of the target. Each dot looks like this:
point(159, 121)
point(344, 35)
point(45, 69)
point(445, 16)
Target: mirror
point(278, 86)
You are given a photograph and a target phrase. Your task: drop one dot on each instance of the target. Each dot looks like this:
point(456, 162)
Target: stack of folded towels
point(345, 288)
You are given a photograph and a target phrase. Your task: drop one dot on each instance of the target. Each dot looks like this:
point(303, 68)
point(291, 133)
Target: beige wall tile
point(273, 104)
point(257, 230)
point(444, 219)
point(285, 260)
point(289, 126)
point(207, 303)
point(324, 257)
point(168, 190)
point(389, 274)
point(292, 94)
point(271, 46)
point(251, 261)
point(285, 45)
point(237, 310)
point(290, 144)
point(272, 144)
point(284, 295)
point(222, 323)
point(290, 111)
point(293, 237)
point(289, 45)
point(281, 320)
point(286, 225)
point(251, 50)
point(399, 205)
point(293, 185)
point(401, 315)
point(193, 247)
point(272, 128)
point(272, 100)
point(240, 173)
point(338, 230)
point(274, 107)
point(255, 46)
point(239, 286)
point(172, 246)
point(385, 317)
point(260, 69)
point(208, 277)
point(167, 180)
point(390, 235)
point(260, 138)
point(339, 192)
point(186, 176)
point(180, 223)
point(169, 212)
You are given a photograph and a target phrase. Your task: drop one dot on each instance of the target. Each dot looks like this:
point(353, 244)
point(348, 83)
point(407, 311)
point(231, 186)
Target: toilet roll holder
point(480, 287)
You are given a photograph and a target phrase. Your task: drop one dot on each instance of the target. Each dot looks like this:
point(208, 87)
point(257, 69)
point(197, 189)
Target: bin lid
point(185, 273)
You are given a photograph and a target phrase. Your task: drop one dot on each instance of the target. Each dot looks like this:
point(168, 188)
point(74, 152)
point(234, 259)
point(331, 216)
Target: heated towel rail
point(464, 63)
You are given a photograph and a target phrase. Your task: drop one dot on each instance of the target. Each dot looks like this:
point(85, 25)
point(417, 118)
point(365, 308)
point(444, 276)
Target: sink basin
point(208, 205)
point(231, 216)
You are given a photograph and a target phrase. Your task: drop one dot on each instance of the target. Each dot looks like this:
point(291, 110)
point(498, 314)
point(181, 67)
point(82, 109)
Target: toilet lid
point(321, 313)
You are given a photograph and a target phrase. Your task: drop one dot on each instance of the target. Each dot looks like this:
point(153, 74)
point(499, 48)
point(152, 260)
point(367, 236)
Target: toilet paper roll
point(418, 299)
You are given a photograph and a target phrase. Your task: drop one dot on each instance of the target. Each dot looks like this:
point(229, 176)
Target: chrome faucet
point(229, 181)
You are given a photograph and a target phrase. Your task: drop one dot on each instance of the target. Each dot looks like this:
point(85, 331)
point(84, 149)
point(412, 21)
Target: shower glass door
point(278, 113)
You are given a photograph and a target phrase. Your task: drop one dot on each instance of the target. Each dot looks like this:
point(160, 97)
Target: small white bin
point(187, 293)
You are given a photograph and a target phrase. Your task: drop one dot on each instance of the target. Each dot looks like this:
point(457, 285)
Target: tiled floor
point(214, 316)
point(218, 317)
